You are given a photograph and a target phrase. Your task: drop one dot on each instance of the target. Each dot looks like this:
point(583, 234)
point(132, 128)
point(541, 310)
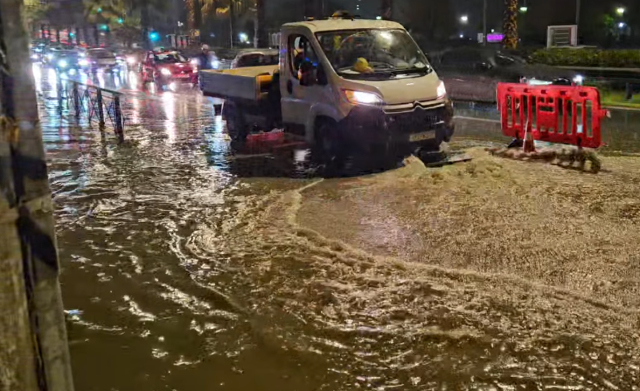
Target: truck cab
point(344, 81)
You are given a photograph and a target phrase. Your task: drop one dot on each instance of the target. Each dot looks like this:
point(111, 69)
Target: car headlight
point(578, 79)
point(49, 56)
point(63, 63)
point(165, 71)
point(34, 56)
point(83, 62)
point(362, 98)
point(131, 60)
point(195, 62)
point(441, 91)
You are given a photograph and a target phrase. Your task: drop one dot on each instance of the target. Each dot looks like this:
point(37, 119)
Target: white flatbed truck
point(340, 82)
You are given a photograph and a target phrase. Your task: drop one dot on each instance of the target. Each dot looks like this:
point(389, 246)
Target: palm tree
point(510, 24)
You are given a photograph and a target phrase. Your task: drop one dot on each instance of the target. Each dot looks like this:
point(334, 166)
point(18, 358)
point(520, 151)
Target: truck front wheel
point(329, 143)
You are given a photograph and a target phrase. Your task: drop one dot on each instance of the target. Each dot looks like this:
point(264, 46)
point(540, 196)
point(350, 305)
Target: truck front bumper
point(418, 127)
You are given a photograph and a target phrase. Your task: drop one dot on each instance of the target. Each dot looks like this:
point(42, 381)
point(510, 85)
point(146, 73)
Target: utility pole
point(484, 23)
point(260, 31)
point(577, 13)
point(34, 355)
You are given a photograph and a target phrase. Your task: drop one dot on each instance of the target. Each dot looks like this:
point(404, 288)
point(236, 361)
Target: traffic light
point(99, 10)
point(120, 20)
point(104, 27)
point(154, 36)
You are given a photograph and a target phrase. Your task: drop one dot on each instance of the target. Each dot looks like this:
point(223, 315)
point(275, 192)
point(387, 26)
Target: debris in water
point(565, 157)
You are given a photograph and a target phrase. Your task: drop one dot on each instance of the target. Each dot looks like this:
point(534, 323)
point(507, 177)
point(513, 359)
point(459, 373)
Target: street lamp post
point(484, 23)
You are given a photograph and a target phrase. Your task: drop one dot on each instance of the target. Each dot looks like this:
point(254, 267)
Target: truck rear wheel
point(236, 125)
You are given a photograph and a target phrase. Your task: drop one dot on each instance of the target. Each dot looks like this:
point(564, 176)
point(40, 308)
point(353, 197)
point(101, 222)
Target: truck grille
point(419, 118)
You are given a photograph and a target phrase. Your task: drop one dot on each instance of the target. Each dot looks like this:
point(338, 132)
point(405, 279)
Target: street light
point(464, 19)
point(524, 9)
point(620, 11)
point(621, 25)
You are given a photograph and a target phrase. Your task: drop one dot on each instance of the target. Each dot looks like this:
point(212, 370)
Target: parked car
point(166, 68)
point(472, 73)
point(101, 59)
point(256, 58)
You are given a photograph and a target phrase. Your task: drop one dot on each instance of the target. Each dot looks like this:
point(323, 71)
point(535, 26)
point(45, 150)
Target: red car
point(168, 69)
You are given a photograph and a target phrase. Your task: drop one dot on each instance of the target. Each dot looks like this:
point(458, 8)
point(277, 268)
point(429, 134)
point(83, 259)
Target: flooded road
point(194, 267)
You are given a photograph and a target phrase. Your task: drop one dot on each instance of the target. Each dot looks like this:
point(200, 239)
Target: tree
point(128, 31)
point(229, 11)
point(35, 12)
point(510, 24)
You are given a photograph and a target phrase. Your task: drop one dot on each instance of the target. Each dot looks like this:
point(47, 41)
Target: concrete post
point(36, 356)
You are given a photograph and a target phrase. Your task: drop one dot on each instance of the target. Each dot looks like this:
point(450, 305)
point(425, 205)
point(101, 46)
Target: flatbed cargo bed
point(245, 84)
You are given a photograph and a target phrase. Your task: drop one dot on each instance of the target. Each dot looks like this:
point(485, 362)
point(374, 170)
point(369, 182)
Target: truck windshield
point(373, 53)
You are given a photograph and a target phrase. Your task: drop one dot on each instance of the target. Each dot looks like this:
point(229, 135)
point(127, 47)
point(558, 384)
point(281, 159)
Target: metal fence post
point(117, 114)
point(100, 110)
point(76, 100)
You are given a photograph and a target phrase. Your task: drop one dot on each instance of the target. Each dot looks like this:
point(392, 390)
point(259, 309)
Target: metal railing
point(96, 103)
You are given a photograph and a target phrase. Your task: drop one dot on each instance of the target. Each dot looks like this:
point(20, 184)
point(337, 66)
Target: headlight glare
point(362, 98)
point(441, 91)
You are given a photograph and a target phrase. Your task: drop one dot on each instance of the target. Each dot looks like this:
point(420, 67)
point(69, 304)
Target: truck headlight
point(578, 79)
point(441, 91)
point(362, 98)
point(63, 63)
point(165, 71)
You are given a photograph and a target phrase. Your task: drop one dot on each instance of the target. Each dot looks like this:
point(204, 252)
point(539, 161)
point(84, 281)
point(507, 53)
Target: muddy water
point(194, 269)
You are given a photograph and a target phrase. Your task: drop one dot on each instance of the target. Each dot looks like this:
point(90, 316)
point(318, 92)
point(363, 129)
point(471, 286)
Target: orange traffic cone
point(528, 145)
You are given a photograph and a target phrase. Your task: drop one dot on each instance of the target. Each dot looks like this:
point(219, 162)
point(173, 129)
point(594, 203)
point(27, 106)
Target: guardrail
point(97, 103)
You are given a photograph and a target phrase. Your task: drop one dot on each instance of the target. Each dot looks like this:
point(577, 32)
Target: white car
point(255, 58)
point(101, 58)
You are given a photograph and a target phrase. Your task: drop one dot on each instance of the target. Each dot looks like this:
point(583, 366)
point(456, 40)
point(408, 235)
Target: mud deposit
point(495, 273)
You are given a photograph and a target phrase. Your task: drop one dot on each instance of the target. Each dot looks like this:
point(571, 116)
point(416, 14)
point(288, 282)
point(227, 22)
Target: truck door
point(303, 86)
